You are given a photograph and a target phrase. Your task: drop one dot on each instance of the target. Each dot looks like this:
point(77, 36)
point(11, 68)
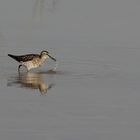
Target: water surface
point(94, 92)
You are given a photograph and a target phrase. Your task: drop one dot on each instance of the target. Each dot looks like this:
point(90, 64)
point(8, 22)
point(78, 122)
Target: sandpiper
point(31, 61)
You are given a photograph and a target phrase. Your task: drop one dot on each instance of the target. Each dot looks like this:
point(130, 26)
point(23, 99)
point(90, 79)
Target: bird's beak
point(52, 58)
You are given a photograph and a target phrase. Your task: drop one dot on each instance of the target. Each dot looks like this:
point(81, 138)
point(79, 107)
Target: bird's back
point(24, 58)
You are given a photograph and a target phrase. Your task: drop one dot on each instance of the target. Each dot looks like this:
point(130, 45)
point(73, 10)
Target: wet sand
point(94, 92)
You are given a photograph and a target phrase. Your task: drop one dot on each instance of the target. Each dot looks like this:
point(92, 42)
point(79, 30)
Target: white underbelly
point(30, 65)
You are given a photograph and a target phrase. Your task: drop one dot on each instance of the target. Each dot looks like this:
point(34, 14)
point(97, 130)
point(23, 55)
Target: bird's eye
point(44, 52)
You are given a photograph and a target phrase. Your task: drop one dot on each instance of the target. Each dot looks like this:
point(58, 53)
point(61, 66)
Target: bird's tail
point(14, 57)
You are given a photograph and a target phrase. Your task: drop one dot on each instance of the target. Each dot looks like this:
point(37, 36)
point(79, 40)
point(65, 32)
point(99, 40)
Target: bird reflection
point(31, 81)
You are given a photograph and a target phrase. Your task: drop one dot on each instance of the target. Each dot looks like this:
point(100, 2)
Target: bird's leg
point(19, 68)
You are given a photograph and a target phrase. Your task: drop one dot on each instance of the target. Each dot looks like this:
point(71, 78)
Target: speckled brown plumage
point(24, 58)
point(31, 61)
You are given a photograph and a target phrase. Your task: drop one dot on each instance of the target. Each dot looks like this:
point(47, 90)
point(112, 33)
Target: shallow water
point(94, 91)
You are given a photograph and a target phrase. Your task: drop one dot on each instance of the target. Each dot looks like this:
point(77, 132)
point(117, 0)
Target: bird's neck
point(43, 58)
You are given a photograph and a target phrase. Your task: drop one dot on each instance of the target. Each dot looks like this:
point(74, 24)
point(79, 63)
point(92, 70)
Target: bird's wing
point(24, 58)
point(27, 57)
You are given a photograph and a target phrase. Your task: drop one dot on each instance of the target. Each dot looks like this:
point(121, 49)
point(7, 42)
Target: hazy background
point(95, 91)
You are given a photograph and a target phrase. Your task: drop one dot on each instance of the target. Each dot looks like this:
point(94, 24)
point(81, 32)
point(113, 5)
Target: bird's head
point(45, 54)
